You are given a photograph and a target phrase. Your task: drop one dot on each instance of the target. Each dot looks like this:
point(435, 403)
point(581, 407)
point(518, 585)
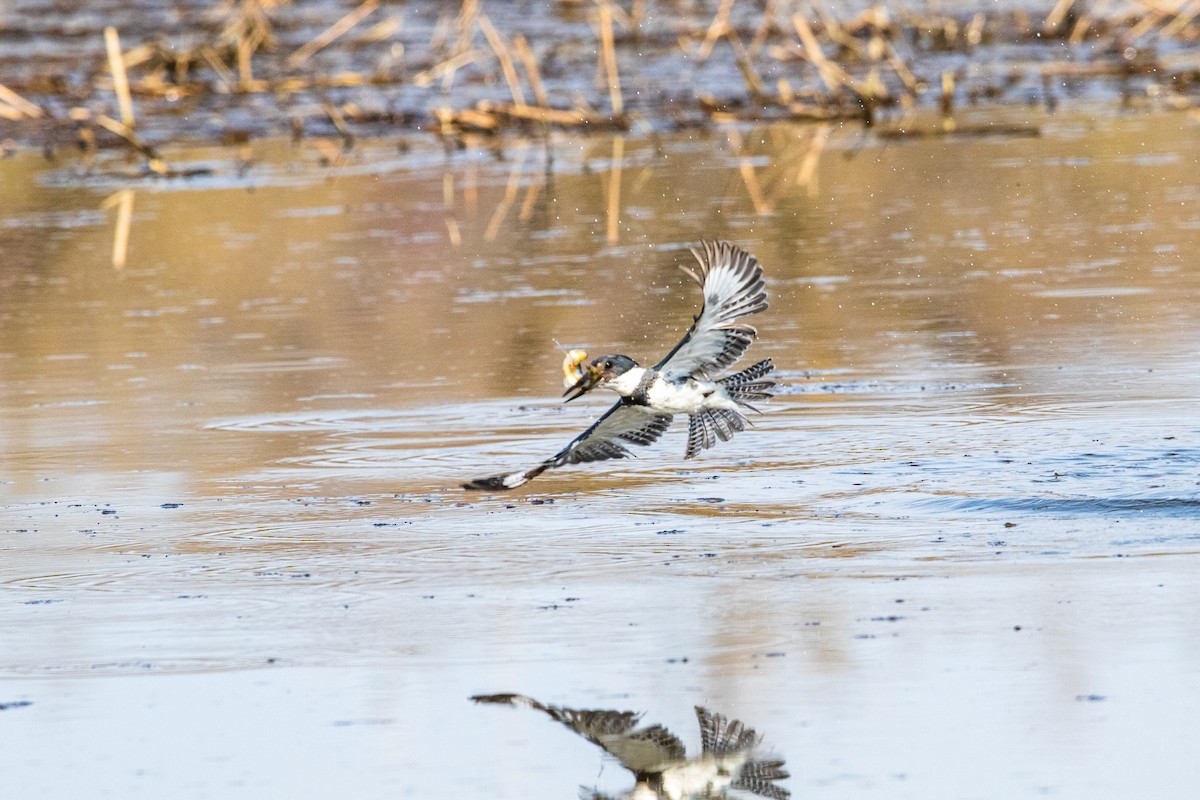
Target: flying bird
point(681, 383)
point(730, 760)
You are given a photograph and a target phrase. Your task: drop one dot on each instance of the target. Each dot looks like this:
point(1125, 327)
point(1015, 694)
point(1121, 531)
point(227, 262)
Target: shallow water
point(955, 558)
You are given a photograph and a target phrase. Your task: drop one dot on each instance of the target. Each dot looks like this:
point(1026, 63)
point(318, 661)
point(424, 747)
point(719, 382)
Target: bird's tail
point(708, 427)
point(751, 383)
point(705, 428)
point(759, 775)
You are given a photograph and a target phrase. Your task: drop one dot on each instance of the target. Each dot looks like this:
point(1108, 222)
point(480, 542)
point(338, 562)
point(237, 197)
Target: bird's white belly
point(686, 398)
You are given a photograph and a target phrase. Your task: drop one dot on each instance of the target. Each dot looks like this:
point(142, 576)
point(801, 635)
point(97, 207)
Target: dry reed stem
point(610, 60)
point(506, 61)
point(552, 116)
point(621, 17)
point(332, 33)
point(745, 65)
point(447, 67)
point(465, 24)
point(19, 105)
point(834, 30)
point(764, 28)
point(719, 25)
point(441, 32)
point(123, 200)
point(384, 30)
point(1156, 14)
point(125, 132)
point(531, 69)
point(783, 89)
point(466, 32)
point(249, 29)
point(225, 77)
point(245, 61)
point(1183, 17)
point(451, 121)
point(1059, 68)
point(901, 69)
point(116, 65)
point(1057, 15)
point(973, 35)
point(637, 15)
point(832, 75)
point(1086, 19)
point(1080, 30)
point(614, 191)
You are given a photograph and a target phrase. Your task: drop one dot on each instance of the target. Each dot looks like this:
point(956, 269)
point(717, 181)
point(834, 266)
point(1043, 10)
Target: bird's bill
point(591, 376)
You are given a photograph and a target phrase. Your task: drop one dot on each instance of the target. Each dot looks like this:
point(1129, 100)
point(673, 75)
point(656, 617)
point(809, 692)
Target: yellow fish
point(571, 371)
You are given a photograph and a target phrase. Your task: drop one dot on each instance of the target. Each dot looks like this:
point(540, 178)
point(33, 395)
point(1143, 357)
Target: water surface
point(956, 558)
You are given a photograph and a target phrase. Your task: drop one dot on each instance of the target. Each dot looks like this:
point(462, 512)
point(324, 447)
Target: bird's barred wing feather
point(733, 288)
point(720, 735)
point(727, 739)
point(605, 439)
point(617, 732)
point(638, 749)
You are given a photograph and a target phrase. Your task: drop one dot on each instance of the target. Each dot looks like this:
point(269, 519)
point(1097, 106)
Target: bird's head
point(598, 373)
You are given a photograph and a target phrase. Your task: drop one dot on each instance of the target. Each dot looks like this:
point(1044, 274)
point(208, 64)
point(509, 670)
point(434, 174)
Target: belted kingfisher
point(730, 758)
point(680, 383)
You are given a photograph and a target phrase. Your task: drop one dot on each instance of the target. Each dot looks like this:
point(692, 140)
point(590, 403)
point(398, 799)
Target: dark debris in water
point(15, 704)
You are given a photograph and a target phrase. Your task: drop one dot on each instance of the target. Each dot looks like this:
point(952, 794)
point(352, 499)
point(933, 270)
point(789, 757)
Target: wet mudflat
point(956, 558)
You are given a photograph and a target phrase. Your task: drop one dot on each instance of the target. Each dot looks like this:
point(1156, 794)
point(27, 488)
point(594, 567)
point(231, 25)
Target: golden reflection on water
point(1021, 263)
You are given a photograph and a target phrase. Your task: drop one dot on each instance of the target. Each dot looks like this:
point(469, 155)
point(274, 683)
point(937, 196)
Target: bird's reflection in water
point(730, 763)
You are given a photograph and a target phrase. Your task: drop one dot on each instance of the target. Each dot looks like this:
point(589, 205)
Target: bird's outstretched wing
point(638, 749)
point(616, 732)
point(623, 423)
point(733, 288)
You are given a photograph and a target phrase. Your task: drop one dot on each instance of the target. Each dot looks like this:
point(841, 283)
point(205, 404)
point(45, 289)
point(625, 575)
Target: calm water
point(957, 558)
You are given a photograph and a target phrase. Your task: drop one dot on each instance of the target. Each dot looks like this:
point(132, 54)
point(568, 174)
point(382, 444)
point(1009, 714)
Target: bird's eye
point(608, 364)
